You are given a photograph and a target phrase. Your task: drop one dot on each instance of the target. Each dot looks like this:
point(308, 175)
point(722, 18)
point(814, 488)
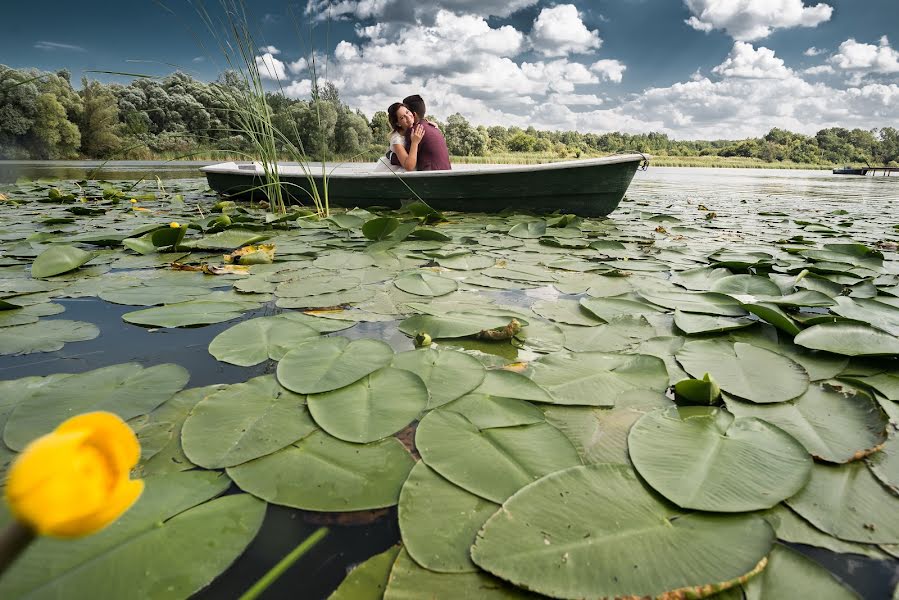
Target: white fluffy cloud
point(270, 50)
point(609, 69)
point(855, 56)
point(270, 67)
point(412, 11)
point(748, 20)
point(748, 62)
point(813, 51)
point(559, 31)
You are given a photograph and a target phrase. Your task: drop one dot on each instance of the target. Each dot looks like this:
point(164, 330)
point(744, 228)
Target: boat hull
point(588, 188)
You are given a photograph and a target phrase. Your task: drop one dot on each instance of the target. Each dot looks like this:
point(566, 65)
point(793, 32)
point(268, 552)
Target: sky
point(693, 69)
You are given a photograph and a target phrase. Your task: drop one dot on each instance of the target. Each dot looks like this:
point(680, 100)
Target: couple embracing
point(415, 143)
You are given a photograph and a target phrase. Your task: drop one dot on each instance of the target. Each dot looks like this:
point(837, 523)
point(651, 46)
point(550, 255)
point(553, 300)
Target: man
point(432, 152)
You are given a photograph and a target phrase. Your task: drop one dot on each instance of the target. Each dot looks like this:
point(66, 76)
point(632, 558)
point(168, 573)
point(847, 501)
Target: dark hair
point(416, 104)
point(391, 115)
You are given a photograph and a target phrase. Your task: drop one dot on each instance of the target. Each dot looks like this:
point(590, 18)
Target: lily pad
point(186, 314)
point(885, 463)
point(368, 580)
point(745, 370)
point(597, 378)
point(243, 422)
point(59, 259)
point(775, 315)
point(491, 463)
point(229, 239)
point(847, 502)
point(848, 339)
point(372, 408)
point(127, 390)
point(485, 411)
point(452, 324)
point(322, 473)
point(257, 340)
point(693, 323)
point(788, 571)
point(569, 312)
point(877, 314)
point(325, 364)
point(610, 308)
point(703, 458)
point(439, 521)
point(550, 538)
point(446, 373)
point(832, 425)
point(44, 336)
point(425, 284)
point(695, 302)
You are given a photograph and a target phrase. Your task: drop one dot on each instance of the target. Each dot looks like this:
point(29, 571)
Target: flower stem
point(285, 563)
point(13, 541)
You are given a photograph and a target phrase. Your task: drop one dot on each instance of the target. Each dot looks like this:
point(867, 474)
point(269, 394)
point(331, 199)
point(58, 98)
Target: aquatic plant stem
point(285, 563)
point(13, 541)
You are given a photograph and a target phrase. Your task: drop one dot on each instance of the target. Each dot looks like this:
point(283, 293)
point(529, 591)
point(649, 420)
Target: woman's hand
point(418, 133)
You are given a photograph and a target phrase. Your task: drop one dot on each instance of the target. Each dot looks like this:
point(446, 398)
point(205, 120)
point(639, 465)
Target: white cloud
point(51, 46)
point(748, 20)
point(745, 61)
point(270, 67)
point(813, 51)
point(412, 11)
point(855, 56)
point(270, 50)
point(298, 66)
point(609, 69)
point(559, 31)
point(819, 70)
point(299, 89)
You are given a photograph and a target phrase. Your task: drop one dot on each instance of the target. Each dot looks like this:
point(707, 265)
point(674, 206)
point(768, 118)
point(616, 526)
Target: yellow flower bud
point(74, 481)
point(174, 225)
point(133, 201)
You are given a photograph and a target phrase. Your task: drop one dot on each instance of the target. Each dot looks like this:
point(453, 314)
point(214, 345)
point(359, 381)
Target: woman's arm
point(411, 159)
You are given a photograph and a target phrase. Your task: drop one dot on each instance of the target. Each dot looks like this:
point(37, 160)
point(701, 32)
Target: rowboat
point(589, 187)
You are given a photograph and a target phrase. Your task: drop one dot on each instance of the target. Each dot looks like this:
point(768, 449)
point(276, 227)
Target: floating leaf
point(439, 521)
point(550, 538)
point(368, 580)
point(692, 323)
point(325, 364)
point(229, 239)
point(565, 311)
point(847, 501)
point(44, 336)
point(703, 391)
point(451, 324)
point(408, 580)
point(446, 373)
point(492, 463)
point(705, 459)
point(322, 473)
point(788, 571)
point(529, 230)
point(610, 308)
point(186, 314)
point(775, 315)
point(833, 426)
point(745, 370)
point(380, 228)
point(849, 339)
point(243, 422)
point(425, 284)
point(257, 340)
point(597, 378)
point(378, 405)
point(695, 302)
point(877, 314)
point(59, 259)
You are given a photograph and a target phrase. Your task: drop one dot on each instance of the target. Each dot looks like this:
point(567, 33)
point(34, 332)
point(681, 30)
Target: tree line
point(42, 116)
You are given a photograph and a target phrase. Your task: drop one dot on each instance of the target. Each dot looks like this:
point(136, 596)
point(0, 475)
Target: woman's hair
point(391, 115)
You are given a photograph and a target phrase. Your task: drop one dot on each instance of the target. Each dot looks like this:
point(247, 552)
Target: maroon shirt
point(432, 152)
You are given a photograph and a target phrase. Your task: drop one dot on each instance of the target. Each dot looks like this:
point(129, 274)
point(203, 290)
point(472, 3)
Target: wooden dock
point(884, 171)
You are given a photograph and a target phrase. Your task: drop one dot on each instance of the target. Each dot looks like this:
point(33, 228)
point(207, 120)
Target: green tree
point(521, 142)
point(462, 139)
point(54, 136)
point(380, 127)
point(99, 121)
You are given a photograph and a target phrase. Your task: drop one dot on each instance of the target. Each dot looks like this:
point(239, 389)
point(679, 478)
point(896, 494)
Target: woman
point(401, 119)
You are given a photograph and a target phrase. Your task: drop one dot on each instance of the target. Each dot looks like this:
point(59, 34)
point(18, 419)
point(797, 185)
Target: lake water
point(674, 191)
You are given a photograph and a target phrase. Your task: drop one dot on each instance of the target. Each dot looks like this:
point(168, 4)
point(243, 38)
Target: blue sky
point(690, 68)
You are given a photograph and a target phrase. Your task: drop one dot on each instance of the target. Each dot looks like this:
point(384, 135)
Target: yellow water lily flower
point(174, 225)
point(133, 201)
point(75, 480)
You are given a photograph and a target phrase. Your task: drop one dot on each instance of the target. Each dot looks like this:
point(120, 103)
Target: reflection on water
point(13, 170)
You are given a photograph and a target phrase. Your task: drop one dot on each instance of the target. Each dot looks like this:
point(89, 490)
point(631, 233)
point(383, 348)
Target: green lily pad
point(884, 464)
point(486, 411)
point(186, 314)
point(378, 405)
point(379, 228)
point(569, 312)
point(695, 302)
point(127, 390)
point(610, 308)
point(788, 571)
point(848, 502)
point(44, 336)
point(243, 422)
point(848, 339)
point(407, 580)
point(446, 373)
point(694, 323)
point(368, 580)
point(742, 285)
point(322, 473)
point(143, 553)
point(790, 527)
point(325, 364)
point(597, 378)
point(451, 324)
point(773, 314)
point(151, 295)
point(703, 458)
point(439, 521)
point(425, 284)
point(59, 259)
point(230, 239)
point(466, 262)
point(744, 370)
point(257, 340)
point(500, 383)
point(25, 315)
point(550, 538)
point(529, 230)
point(877, 314)
point(619, 333)
point(832, 425)
point(491, 463)
point(703, 392)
